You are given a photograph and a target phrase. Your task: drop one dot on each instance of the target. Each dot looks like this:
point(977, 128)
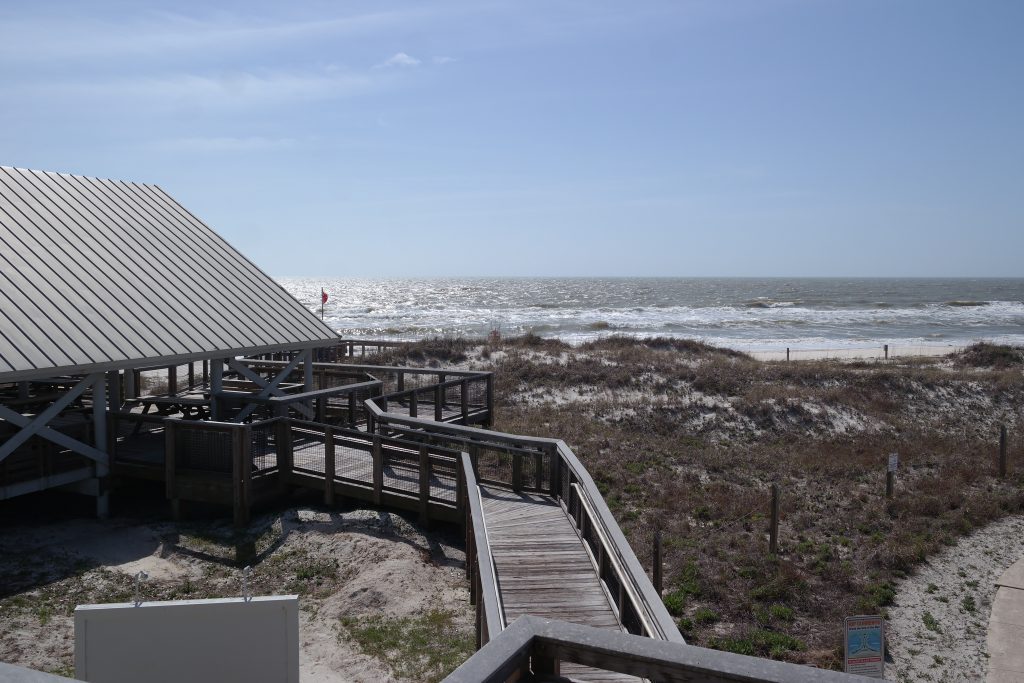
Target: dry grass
point(690, 438)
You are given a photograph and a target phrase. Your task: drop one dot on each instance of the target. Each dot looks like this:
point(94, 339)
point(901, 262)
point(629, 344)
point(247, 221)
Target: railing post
point(172, 379)
point(464, 391)
point(490, 400)
point(378, 469)
point(191, 375)
point(284, 448)
point(556, 471)
point(461, 491)
point(424, 485)
point(538, 471)
point(237, 477)
point(321, 409)
point(517, 472)
point(170, 468)
point(352, 410)
point(401, 382)
point(438, 403)
point(414, 407)
point(329, 466)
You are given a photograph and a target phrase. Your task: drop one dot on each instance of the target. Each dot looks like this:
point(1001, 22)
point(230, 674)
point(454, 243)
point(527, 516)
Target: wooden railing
point(533, 649)
point(550, 466)
point(483, 582)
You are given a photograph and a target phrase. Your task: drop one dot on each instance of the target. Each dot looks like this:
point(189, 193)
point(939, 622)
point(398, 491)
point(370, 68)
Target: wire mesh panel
point(401, 470)
point(198, 448)
point(353, 461)
point(477, 393)
point(494, 467)
point(309, 450)
point(443, 478)
point(264, 447)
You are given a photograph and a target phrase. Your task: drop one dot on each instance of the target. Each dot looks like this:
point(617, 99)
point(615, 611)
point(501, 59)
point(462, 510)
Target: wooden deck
point(544, 569)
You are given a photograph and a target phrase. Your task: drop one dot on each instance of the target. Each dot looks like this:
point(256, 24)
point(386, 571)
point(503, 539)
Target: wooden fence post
point(1002, 450)
point(170, 468)
point(237, 478)
point(517, 472)
point(773, 532)
point(438, 403)
point(172, 379)
point(657, 568)
point(464, 392)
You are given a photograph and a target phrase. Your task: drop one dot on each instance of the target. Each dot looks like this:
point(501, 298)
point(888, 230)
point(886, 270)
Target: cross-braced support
point(38, 425)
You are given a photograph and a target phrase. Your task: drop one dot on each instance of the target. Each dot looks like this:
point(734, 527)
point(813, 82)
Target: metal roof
point(101, 274)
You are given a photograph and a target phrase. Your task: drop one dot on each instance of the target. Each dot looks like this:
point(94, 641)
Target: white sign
point(193, 641)
point(894, 461)
point(865, 646)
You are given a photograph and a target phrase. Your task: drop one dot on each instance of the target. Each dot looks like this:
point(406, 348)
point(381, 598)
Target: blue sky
point(869, 137)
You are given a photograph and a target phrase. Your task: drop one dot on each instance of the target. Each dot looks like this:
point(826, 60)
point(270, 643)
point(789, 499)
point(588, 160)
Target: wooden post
point(170, 478)
point(172, 379)
point(283, 437)
point(206, 372)
point(1002, 450)
point(787, 354)
point(130, 388)
point(137, 379)
point(490, 401)
point(773, 532)
point(216, 386)
point(401, 381)
point(656, 569)
point(329, 466)
point(438, 403)
point(321, 409)
point(237, 478)
point(114, 390)
point(99, 425)
point(424, 485)
point(886, 347)
point(414, 407)
point(538, 471)
point(352, 410)
point(464, 393)
point(556, 471)
point(191, 375)
point(517, 473)
point(378, 469)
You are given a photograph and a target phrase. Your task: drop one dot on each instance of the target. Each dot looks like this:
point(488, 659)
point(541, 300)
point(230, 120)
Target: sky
point(549, 138)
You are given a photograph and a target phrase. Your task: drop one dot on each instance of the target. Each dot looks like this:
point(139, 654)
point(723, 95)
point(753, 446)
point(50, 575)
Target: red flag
point(323, 296)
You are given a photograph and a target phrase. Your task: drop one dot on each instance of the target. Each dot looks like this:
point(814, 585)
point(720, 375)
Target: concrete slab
point(1014, 576)
point(1002, 676)
point(1008, 606)
point(1006, 628)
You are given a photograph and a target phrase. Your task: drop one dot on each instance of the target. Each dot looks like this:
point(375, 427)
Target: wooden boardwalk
point(544, 569)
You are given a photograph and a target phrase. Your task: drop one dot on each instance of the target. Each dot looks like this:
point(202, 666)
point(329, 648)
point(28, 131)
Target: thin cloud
point(227, 90)
point(399, 59)
point(215, 145)
point(444, 60)
point(159, 35)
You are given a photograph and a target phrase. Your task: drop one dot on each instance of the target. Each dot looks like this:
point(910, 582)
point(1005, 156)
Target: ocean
point(751, 314)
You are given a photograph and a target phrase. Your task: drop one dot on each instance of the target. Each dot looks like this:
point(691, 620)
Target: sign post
point(865, 646)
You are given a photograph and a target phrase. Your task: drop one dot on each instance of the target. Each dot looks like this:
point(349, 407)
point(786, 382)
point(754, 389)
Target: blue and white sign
point(865, 646)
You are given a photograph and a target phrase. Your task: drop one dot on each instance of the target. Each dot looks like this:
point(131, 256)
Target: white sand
point(944, 587)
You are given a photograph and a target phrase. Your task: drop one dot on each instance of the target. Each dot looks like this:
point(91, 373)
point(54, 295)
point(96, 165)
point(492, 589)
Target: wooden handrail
point(489, 594)
point(658, 618)
point(611, 552)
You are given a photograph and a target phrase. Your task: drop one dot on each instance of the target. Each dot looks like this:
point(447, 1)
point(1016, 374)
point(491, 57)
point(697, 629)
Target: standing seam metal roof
point(101, 274)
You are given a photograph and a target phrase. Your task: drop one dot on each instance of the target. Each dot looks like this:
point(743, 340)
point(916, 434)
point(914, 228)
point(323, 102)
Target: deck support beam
point(36, 426)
